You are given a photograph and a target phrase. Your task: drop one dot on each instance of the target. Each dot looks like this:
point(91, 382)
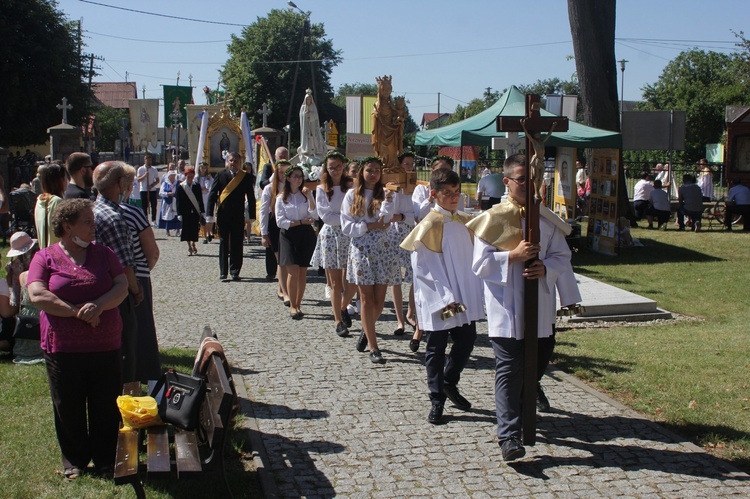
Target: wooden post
point(533, 122)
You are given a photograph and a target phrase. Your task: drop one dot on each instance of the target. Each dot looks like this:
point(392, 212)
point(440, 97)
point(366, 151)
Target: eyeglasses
point(335, 168)
point(518, 180)
point(296, 176)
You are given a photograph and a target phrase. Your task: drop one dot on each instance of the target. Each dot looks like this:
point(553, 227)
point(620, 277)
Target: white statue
point(313, 148)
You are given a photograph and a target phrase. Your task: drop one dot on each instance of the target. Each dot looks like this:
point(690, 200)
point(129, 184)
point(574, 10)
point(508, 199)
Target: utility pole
point(622, 87)
point(143, 90)
point(91, 58)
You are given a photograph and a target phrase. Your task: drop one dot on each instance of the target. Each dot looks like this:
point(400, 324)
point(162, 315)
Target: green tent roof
point(481, 128)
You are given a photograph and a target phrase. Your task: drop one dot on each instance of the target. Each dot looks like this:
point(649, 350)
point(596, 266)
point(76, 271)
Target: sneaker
point(351, 309)
point(436, 413)
point(362, 342)
point(376, 357)
point(512, 449)
point(328, 292)
point(341, 330)
point(346, 318)
point(542, 404)
point(451, 391)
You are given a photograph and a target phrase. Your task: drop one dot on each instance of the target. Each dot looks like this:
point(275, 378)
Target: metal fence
point(633, 174)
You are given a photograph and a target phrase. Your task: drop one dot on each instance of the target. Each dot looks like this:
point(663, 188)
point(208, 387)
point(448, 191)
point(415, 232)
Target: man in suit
point(227, 197)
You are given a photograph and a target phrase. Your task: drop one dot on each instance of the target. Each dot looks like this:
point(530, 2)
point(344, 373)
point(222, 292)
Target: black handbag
point(27, 328)
point(180, 403)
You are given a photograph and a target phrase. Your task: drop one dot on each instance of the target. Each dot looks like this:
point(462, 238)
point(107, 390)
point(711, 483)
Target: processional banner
point(194, 126)
point(144, 122)
point(175, 100)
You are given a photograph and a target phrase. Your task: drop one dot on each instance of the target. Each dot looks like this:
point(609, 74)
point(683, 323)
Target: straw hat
point(20, 243)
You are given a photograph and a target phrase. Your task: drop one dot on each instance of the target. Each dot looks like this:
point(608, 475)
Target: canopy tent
point(479, 129)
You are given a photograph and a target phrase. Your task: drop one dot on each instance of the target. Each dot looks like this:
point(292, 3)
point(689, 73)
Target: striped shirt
point(112, 231)
point(137, 223)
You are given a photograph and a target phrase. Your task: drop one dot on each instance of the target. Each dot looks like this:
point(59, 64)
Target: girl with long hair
point(365, 216)
point(53, 179)
point(269, 230)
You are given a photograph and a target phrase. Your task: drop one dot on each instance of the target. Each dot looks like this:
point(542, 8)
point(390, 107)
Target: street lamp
point(287, 129)
point(622, 87)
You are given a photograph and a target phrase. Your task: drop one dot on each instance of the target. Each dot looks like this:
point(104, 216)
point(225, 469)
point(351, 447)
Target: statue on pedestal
point(388, 126)
point(312, 149)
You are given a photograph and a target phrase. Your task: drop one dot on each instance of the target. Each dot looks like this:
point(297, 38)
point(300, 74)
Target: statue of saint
point(312, 148)
point(388, 126)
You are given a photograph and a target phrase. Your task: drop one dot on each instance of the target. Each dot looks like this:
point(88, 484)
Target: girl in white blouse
point(269, 230)
point(295, 215)
point(332, 249)
point(365, 216)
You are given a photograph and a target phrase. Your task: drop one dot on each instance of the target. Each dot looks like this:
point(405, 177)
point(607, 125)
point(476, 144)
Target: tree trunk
point(592, 26)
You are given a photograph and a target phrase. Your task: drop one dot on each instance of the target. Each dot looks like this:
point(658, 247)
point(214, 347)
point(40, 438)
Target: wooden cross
point(65, 107)
point(531, 124)
point(265, 111)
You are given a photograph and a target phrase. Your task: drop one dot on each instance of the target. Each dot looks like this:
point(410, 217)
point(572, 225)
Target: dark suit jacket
point(265, 177)
point(233, 206)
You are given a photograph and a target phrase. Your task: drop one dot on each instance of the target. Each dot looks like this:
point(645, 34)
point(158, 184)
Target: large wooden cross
point(533, 125)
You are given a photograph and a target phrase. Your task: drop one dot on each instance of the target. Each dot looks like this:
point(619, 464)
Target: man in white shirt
point(658, 206)
point(738, 203)
point(148, 185)
point(490, 186)
point(641, 193)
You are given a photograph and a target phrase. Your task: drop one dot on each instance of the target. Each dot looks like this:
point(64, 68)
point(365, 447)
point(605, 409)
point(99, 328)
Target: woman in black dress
point(190, 209)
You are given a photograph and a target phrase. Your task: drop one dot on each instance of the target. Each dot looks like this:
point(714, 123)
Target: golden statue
point(388, 126)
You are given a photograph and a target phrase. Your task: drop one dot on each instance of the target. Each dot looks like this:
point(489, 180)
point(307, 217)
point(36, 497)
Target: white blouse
point(329, 210)
point(295, 209)
point(356, 226)
point(266, 205)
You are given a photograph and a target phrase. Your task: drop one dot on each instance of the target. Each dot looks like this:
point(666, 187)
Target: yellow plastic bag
point(138, 412)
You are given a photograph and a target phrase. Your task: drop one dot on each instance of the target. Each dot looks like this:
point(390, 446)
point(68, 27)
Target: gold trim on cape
point(430, 231)
point(231, 186)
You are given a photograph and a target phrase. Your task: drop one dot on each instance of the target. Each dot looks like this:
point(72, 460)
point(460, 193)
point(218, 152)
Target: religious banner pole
point(532, 124)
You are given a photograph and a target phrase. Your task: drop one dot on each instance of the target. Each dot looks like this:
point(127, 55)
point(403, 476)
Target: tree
point(40, 64)
point(110, 124)
point(702, 84)
point(474, 107)
point(263, 64)
point(592, 27)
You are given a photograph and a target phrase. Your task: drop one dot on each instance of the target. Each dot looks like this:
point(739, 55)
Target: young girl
point(365, 215)
point(295, 215)
point(54, 181)
point(332, 249)
point(269, 230)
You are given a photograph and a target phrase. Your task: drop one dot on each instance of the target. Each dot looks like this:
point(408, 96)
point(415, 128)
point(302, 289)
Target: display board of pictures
point(603, 174)
point(565, 184)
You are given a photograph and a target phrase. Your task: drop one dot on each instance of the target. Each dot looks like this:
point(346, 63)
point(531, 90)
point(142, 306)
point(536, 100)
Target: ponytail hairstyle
point(378, 193)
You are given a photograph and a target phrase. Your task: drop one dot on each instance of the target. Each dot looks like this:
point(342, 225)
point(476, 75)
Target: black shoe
point(451, 391)
point(223, 278)
point(512, 449)
point(376, 357)
point(286, 303)
point(436, 413)
point(341, 330)
point(362, 342)
point(235, 277)
point(210, 238)
point(297, 316)
point(414, 345)
point(205, 241)
point(399, 332)
point(542, 404)
point(346, 318)
point(270, 278)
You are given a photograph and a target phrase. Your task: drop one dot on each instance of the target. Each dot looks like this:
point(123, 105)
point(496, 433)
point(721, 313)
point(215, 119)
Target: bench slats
point(157, 448)
point(126, 462)
point(187, 458)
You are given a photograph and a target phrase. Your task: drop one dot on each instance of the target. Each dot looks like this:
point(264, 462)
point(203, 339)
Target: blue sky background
point(428, 46)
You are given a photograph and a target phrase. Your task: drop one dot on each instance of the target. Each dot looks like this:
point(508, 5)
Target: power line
point(156, 41)
point(163, 15)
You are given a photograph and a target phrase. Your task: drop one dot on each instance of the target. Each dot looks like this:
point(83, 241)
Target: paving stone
point(333, 424)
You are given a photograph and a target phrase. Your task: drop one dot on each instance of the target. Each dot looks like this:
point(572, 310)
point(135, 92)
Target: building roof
point(428, 118)
point(115, 94)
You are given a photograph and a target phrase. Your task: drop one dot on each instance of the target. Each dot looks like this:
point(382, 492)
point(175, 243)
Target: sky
point(430, 47)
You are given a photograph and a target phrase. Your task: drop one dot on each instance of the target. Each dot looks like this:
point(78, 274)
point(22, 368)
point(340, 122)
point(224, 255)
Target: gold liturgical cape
point(430, 231)
point(500, 226)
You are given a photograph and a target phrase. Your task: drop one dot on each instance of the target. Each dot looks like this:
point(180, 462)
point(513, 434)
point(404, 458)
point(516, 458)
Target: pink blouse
point(78, 285)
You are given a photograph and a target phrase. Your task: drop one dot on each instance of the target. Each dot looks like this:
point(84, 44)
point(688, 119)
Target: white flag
point(202, 139)
point(248, 139)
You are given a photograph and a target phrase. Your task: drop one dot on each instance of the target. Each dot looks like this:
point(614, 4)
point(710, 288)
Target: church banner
point(175, 100)
point(194, 126)
point(144, 123)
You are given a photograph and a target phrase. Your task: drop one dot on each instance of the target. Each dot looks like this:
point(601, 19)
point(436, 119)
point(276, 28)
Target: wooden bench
point(194, 452)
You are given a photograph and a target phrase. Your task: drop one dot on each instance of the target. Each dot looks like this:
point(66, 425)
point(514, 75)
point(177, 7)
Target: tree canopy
point(702, 83)
point(40, 64)
point(265, 59)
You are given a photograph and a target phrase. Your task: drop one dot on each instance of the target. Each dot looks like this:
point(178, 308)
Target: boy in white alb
point(447, 294)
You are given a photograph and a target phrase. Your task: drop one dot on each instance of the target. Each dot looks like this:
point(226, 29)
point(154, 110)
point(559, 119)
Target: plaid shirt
point(112, 231)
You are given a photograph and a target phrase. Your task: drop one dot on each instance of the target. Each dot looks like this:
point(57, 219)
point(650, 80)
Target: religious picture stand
point(533, 125)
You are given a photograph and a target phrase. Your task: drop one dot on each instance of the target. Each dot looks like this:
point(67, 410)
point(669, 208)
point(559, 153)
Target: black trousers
point(129, 346)
point(231, 240)
point(447, 369)
point(148, 198)
point(84, 389)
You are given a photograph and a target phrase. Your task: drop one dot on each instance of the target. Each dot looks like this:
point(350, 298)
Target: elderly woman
point(168, 216)
point(190, 207)
point(53, 179)
point(77, 285)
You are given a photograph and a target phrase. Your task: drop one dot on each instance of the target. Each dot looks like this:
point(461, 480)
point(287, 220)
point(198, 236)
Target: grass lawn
point(692, 376)
point(29, 454)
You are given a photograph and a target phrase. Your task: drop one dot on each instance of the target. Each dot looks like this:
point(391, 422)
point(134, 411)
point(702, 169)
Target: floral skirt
point(397, 232)
point(372, 260)
point(332, 248)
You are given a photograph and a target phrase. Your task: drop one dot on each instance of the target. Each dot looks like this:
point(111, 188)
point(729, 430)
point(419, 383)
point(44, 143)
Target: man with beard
point(80, 170)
